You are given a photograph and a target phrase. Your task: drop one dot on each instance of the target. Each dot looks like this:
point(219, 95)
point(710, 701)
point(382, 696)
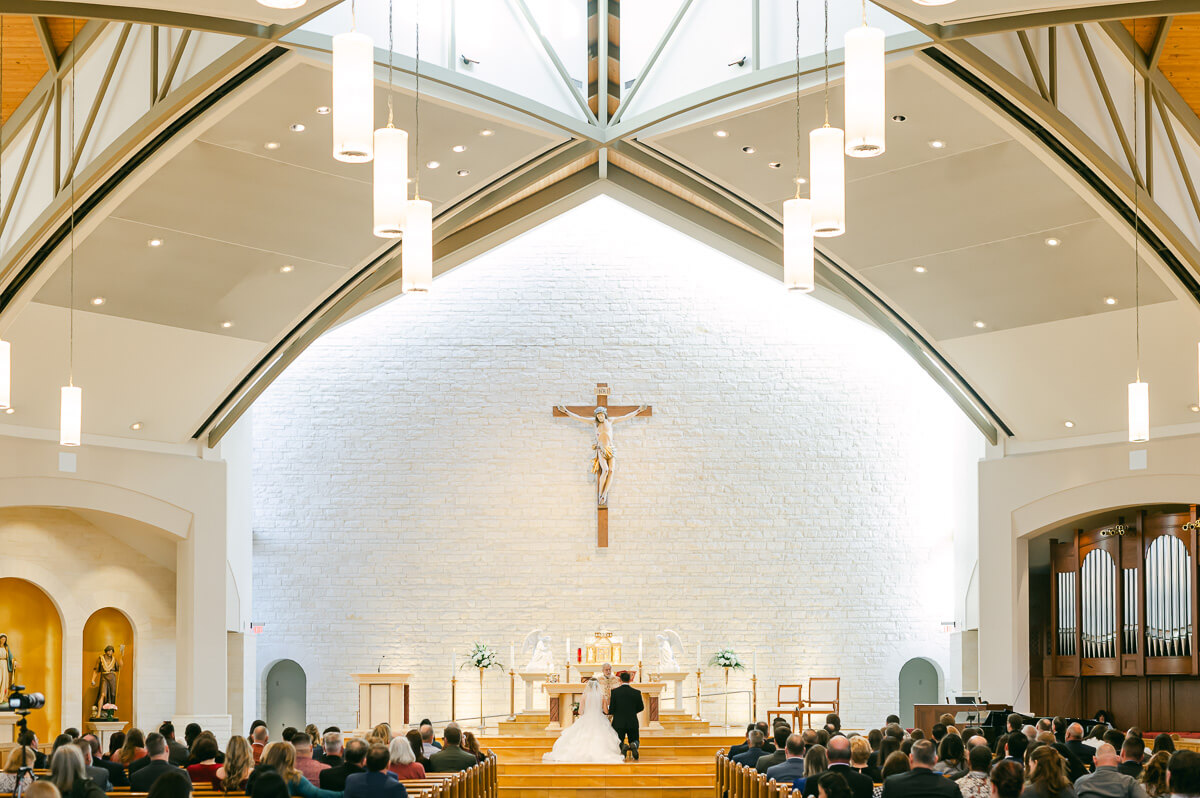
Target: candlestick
point(453, 697)
point(512, 694)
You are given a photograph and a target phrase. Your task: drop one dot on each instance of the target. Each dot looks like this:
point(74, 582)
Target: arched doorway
point(287, 689)
point(109, 627)
point(918, 685)
point(35, 634)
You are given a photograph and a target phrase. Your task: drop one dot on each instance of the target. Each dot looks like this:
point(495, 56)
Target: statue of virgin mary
point(8, 667)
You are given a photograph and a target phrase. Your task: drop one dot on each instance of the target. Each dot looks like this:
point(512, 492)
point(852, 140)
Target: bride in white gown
point(590, 739)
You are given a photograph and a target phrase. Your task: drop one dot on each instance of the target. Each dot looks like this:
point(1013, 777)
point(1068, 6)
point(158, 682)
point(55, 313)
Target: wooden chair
point(824, 696)
point(788, 701)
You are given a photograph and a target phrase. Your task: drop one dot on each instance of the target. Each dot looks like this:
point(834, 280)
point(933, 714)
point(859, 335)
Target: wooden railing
point(481, 781)
point(738, 781)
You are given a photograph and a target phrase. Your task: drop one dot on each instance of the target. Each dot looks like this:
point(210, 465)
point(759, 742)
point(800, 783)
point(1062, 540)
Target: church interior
point(431, 378)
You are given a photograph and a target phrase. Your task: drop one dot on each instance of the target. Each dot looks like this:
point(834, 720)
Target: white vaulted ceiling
point(263, 236)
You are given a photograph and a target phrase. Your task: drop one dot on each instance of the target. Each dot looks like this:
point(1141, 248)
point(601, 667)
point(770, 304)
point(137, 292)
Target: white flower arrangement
point(482, 657)
point(727, 658)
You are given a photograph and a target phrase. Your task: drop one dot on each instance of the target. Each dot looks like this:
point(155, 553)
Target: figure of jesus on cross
point(604, 460)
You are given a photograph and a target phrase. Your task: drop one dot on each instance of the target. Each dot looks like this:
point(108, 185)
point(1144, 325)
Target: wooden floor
point(672, 765)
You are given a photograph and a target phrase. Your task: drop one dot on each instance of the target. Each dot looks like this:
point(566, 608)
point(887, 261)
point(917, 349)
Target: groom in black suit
point(624, 704)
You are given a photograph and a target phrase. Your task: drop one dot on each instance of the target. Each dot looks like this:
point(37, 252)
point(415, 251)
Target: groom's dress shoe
point(624, 749)
point(634, 748)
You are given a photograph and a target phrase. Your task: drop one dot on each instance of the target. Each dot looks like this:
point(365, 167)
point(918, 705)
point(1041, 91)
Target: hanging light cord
point(353, 15)
point(71, 309)
point(1137, 264)
point(417, 109)
point(391, 50)
point(797, 99)
point(826, 63)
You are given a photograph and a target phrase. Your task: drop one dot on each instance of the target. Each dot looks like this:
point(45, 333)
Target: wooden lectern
point(382, 698)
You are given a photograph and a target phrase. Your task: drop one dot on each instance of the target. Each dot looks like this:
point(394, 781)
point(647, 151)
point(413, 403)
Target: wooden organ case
point(1119, 629)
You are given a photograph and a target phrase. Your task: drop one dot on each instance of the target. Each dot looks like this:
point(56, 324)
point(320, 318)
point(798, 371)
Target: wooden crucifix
point(604, 460)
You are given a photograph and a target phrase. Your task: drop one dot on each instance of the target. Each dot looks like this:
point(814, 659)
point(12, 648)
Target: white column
point(201, 690)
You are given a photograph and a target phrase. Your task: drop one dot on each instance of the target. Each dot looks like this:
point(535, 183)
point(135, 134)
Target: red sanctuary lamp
point(579, 655)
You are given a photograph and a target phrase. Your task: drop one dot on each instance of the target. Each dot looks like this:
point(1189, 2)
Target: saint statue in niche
point(8, 667)
point(104, 675)
point(604, 462)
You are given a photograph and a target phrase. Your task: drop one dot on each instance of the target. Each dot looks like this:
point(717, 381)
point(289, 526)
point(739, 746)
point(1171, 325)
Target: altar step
point(692, 778)
point(536, 722)
point(522, 749)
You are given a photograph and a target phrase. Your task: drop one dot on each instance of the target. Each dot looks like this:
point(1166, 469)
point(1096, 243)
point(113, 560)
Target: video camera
point(21, 702)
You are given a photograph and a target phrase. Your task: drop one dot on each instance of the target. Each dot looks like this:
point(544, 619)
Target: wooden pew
point(736, 781)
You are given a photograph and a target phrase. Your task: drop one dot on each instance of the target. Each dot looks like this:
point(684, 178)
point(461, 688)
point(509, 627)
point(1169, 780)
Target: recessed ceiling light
point(919, 269)
point(296, 127)
point(1193, 408)
point(135, 426)
point(899, 117)
point(272, 145)
point(801, 181)
point(486, 132)
point(933, 2)
point(226, 324)
point(282, 3)
point(980, 325)
point(323, 110)
point(154, 242)
point(97, 300)
point(748, 150)
point(8, 411)
point(720, 133)
point(433, 165)
point(463, 172)
point(937, 144)
point(286, 268)
point(1110, 300)
point(459, 148)
point(775, 164)
point(1053, 242)
point(1068, 424)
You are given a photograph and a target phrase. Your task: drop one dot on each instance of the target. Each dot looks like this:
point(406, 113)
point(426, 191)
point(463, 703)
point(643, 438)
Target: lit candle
point(453, 664)
point(568, 652)
point(755, 671)
point(697, 656)
point(512, 656)
point(639, 648)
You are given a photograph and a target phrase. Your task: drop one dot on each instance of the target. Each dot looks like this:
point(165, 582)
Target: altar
point(564, 695)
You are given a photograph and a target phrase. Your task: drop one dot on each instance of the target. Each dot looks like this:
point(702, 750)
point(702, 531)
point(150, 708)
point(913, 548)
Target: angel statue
point(668, 643)
point(541, 661)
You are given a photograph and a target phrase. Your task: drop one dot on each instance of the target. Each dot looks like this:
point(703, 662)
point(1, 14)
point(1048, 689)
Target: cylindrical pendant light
point(70, 425)
point(1139, 412)
point(798, 245)
point(827, 181)
point(391, 181)
point(353, 97)
point(864, 92)
point(416, 263)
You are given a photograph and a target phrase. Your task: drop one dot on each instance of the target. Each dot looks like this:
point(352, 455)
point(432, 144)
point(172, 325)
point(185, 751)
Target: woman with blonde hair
point(381, 734)
point(860, 757)
point(281, 758)
point(239, 761)
point(314, 735)
point(69, 775)
point(17, 758)
point(1154, 775)
point(1047, 775)
point(816, 762)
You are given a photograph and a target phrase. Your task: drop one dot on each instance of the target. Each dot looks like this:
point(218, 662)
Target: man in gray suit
point(792, 767)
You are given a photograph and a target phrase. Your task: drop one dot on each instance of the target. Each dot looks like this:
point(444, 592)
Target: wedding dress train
point(590, 739)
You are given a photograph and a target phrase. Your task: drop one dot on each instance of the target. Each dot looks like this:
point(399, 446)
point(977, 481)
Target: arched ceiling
point(265, 239)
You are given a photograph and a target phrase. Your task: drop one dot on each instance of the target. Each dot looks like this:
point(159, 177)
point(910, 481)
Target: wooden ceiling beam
point(1160, 39)
point(43, 33)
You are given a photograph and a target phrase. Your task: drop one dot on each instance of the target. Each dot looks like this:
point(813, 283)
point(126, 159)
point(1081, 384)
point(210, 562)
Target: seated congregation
point(304, 763)
point(1053, 759)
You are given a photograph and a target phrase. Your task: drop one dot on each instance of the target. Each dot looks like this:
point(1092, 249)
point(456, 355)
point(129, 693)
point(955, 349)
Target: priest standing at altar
point(608, 681)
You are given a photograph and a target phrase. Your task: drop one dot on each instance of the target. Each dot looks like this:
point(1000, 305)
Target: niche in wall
point(35, 633)
point(109, 626)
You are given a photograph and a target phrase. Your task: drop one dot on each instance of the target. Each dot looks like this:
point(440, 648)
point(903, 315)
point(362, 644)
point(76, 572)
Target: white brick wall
point(790, 493)
point(83, 569)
